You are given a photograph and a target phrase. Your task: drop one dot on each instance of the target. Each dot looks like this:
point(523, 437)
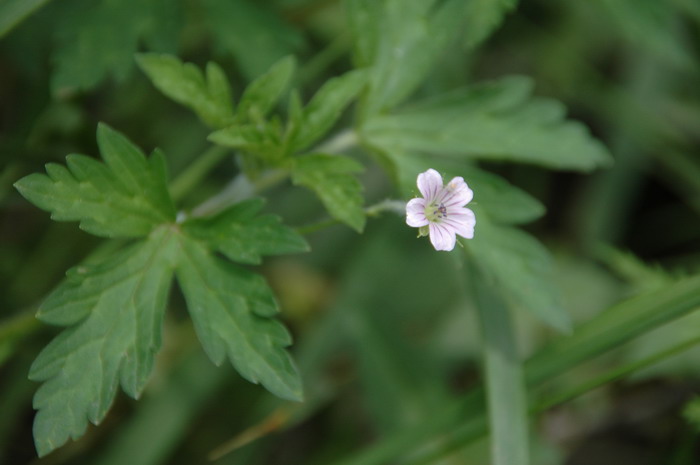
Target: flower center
point(434, 212)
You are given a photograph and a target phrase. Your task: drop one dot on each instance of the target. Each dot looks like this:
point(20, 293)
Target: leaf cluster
point(113, 309)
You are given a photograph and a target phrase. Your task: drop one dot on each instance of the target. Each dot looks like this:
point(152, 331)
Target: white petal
point(415, 213)
point(461, 221)
point(442, 238)
point(430, 184)
point(456, 193)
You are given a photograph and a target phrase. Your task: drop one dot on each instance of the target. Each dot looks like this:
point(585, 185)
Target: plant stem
point(338, 143)
point(197, 171)
point(375, 210)
point(240, 188)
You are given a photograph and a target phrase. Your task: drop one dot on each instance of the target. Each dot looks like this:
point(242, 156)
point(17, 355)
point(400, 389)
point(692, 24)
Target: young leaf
point(325, 108)
point(116, 308)
point(243, 236)
point(231, 310)
point(210, 98)
point(492, 121)
point(126, 196)
point(330, 177)
point(100, 37)
point(521, 267)
point(263, 93)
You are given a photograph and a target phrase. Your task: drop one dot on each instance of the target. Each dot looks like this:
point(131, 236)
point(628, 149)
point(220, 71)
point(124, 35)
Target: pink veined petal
point(415, 213)
point(462, 223)
point(456, 193)
point(442, 237)
point(430, 184)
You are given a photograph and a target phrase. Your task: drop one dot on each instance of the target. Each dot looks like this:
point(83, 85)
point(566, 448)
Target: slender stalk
point(372, 211)
point(197, 171)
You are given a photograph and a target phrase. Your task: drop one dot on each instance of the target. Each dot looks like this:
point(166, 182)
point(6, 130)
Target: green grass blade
point(507, 404)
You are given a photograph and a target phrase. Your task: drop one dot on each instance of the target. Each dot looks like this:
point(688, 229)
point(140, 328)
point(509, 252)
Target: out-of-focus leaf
point(483, 17)
point(493, 121)
point(101, 37)
point(653, 27)
point(243, 236)
point(400, 41)
point(325, 107)
point(255, 35)
point(13, 12)
point(209, 97)
point(331, 178)
point(126, 196)
point(117, 308)
point(232, 311)
point(521, 268)
point(262, 94)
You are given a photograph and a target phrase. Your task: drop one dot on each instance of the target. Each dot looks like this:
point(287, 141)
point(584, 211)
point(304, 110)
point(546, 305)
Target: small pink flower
point(441, 211)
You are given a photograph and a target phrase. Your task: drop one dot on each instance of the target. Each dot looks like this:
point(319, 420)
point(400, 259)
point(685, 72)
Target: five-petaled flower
point(441, 211)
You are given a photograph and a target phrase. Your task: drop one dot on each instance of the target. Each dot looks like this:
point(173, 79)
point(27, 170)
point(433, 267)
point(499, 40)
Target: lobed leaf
point(117, 309)
point(492, 121)
point(262, 94)
point(231, 310)
point(244, 237)
point(209, 97)
point(331, 178)
point(325, 107)
point(126, 196)
point(521, 268)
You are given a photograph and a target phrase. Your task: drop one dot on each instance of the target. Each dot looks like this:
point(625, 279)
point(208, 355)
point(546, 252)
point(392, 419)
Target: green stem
point(322, 60)
point(372, 211)
point(197, 171)
point(338, 143)
point(240, 188)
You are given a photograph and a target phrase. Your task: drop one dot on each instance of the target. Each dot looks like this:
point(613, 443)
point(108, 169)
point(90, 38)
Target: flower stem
point(375, 210)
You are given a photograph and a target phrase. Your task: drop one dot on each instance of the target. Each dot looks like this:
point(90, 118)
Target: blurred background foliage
point(385, 332)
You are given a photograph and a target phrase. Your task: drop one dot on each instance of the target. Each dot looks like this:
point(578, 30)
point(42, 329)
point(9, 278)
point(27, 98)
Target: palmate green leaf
point(400, 41)
point(492, 121)
point(231, 310)
point(262, 140)
point(263, 93)
point(331, 178)
point(504, 202)
point(100, 38)
point(521, 268)
point(325, 107)
point(243, 236)
point(117, 309)
point(126, 196)
point(209, 96)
